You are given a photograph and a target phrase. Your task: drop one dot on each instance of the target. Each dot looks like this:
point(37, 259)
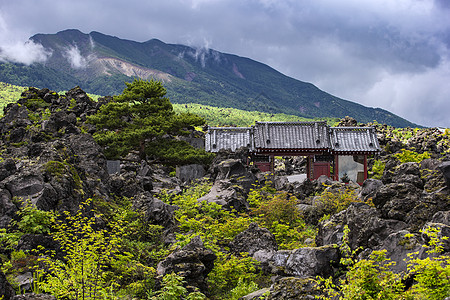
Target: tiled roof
point(295, 136)
point(354, 139)
point(291, 135)
point(232, 138)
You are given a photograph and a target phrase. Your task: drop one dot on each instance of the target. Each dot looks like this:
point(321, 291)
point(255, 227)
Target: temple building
point(337, 152)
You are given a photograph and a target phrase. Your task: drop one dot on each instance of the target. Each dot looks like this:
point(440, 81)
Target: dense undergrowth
point(109, 251)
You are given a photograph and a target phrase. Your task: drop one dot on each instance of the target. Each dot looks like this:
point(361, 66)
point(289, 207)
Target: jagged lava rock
point(193, 262)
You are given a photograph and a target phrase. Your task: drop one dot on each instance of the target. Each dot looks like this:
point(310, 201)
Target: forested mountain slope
point(101, 63)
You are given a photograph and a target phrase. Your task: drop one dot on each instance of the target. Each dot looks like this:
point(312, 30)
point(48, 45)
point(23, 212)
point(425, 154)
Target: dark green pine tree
point(139, 117)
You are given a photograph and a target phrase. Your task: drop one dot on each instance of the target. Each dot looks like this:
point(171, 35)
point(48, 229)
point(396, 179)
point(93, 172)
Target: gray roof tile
point(293, 135)
point(354, 139)
point(232, 138)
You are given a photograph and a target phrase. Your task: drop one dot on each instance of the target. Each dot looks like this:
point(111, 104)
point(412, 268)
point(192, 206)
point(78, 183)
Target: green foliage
point(217, 227)
point(33, 220)
point(411, 156)
point(377, 169)
point(9, 94)
point(37, 103)
point(431, 274)
point(277, 212)
point(87, 254)
point(242, 288)
point(371, 278)
point(226, 116)
point(140, 115)
point(175, 152)
point(30, 220)
point(173, 289)
point(332, 201)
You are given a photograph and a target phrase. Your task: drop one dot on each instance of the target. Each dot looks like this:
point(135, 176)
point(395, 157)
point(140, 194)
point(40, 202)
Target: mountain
point(100, 64)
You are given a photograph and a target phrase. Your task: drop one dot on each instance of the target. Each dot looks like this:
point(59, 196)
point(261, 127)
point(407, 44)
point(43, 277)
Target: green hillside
point(214, 116)
point(218, 116)
point(9, 93)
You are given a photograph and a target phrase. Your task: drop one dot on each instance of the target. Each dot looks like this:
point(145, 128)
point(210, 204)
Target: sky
point(391, 54)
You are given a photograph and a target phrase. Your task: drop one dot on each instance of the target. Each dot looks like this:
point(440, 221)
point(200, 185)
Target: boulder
point(257, 295)
point(395, 200)
point(294, 288)
point(367, 227)
point(7, 208)
point(309, 261)
point(347, 122)
point(398, 245)
point(24, 281)
point(7, 168)
point(6, 290)
point(33, 241)
point(445, 169)
point(33, 296)
point(443, 234)
point(255, 240)
point(230, 168)
point(369, 189)
point(158, 212)
point(228, 195)
point(193, 262)
point(188, 173)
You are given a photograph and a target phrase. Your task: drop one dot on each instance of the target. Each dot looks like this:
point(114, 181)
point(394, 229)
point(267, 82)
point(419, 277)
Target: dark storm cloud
point(381, 53)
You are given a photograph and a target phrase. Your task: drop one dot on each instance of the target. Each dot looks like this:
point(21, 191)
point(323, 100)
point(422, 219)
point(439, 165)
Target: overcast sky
point(392, 54)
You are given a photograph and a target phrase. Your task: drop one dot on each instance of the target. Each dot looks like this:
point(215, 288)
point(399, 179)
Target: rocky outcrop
point(49, 160)
point(258, 242)
point(445, 169)
point(308, 262)
point(193, 262)
point(232, 183)
point(6, 290)
point(367, 227)
point(33, 296)
point(228, 195)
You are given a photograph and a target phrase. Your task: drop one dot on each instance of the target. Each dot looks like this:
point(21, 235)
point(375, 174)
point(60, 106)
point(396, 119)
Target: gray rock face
point(367, 228)
point(369, 188)
point(255, 240)
point(395, 200)
point(308, 262)
point(158, 212)
point(6, 289)
point(193, 262)
point(397, 246)
point(445, 169)
point(190, 172)
point(294, 288)
point(32, 241)
point(228, 195)
point(32, 296)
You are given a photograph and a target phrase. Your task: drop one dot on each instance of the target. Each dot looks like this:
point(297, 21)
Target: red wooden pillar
point(365, 166)
point(309, 167)
point(336, 167)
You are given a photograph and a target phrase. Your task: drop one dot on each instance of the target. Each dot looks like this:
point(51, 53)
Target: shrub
point(411, 156)
point(372, 279)
point(377, 169)
point(87, 254)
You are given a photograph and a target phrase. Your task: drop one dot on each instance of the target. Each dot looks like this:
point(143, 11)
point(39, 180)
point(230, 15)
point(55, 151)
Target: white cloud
point(76, 60)
point(14, 50)
point(25, 53)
